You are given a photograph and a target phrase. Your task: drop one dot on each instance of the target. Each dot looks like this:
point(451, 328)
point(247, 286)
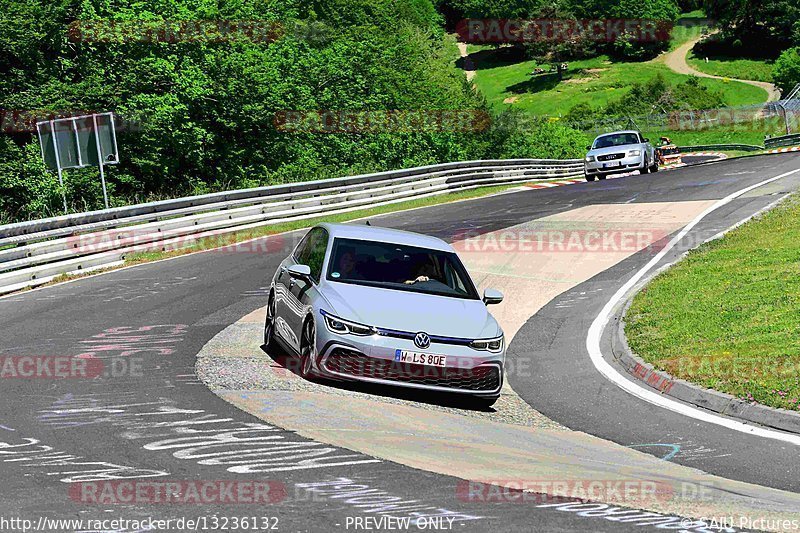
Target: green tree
point(761, 25)
point(786, 71)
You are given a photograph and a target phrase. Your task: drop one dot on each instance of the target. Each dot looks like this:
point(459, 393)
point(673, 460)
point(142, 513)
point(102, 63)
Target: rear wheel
point(654, 168)
point(601, 176)
point(308, 349)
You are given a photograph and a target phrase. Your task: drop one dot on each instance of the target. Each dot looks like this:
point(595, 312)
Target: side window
point(303, 246)
point(317, 254)
point(311, 251)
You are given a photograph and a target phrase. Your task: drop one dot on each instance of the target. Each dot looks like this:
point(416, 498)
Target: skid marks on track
point(199, 435)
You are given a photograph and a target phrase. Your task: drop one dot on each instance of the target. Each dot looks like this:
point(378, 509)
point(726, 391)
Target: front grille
point(434, 338)
point(353, 363)
point(610, 157)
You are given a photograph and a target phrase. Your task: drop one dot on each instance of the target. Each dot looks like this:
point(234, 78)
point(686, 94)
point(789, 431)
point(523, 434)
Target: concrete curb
point(784, 150)
point(718, 402)
point(712, 400)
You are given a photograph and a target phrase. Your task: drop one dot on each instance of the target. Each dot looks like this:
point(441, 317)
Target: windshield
point(616, 139)
point(399, 267)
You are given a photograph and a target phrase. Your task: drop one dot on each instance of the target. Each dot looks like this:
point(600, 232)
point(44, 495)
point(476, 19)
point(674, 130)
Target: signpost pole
point(100, 159)
point(58, 165)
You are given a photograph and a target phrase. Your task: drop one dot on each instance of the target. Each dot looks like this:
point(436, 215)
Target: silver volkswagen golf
point(364, 303)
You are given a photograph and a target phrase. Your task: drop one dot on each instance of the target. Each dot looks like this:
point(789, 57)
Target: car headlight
point(589, 158)
point(488, 345)
point(345, 327)
point(634, 152)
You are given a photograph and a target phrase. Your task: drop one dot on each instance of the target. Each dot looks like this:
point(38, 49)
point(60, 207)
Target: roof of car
point(620, 131)
point(377, 233)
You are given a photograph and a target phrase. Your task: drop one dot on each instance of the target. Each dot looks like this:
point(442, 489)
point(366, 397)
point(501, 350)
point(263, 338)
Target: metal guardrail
point(44, 249)
point(707, 147)
point(153, 208)
point(783, 140)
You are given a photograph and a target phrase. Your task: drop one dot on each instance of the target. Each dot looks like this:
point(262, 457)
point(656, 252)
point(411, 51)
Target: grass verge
point(728, 67)
point(727, 316)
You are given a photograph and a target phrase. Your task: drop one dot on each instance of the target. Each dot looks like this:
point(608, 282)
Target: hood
point(411, 311)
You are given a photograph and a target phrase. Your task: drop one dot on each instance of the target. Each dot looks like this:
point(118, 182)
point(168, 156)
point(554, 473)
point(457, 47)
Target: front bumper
point(372, 359)
point(626, 164)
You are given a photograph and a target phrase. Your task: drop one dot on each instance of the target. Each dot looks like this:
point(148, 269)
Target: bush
point(582, 114)
point(657, 96)
point(515, 136)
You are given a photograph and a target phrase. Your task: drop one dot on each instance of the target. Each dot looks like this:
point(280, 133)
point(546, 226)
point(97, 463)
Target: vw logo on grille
point(422, 340)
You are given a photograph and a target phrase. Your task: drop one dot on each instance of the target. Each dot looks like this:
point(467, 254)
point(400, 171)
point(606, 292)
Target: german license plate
point(420, 358)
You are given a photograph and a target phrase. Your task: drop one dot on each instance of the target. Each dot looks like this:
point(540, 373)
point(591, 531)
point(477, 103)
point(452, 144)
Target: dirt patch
point(578, 80)
point(510, 99)
point(595, 70)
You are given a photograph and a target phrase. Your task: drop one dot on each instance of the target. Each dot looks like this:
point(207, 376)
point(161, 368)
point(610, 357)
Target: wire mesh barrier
point(771, 118)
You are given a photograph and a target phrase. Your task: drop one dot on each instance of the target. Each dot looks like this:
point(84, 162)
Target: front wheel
point(308, 349)
point(588, 177)
point(645, 167)
point(269, 324)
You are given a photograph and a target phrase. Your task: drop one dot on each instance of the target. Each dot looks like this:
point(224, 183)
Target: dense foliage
point(626, 46)
point(653, 97)
point(760, 27)
point(200, 113)
point(786, 72)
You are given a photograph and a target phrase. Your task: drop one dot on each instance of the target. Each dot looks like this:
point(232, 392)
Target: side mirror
point(492, 296)
point(588, 147)
point(299, 271)
point(646, 140)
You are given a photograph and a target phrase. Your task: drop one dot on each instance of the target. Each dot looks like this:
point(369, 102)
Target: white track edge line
point(609, 372)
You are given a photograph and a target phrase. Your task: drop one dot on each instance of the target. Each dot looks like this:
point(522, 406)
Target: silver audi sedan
point(620, 151)
point(365, 303)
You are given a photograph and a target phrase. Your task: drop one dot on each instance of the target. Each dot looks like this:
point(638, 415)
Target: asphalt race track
point(148, 417)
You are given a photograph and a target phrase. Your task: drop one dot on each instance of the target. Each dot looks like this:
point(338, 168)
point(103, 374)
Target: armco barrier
point(44, 249)
point(717, 147)
point(783, 140)
point(154, 208)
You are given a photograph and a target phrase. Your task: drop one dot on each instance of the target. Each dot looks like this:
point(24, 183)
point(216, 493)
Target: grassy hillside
point(743, 69)
point(597, 81)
